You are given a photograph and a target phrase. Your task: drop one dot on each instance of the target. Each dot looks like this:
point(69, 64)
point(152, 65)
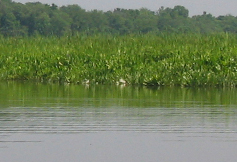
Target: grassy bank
point(182, 60)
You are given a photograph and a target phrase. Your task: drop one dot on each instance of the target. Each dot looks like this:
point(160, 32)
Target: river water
point(58, 123)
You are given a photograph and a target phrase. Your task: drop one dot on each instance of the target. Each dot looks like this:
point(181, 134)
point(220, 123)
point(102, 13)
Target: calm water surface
point(58, 123)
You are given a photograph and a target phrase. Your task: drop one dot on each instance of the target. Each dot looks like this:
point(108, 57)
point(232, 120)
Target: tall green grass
point(170, 60)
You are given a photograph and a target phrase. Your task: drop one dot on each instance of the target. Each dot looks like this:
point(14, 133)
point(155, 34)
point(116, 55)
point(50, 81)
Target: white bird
point(122, 81)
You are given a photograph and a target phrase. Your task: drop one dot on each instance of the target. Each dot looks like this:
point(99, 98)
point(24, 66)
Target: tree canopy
point(35, 18)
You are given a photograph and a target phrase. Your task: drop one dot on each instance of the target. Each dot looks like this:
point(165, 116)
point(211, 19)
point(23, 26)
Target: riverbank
point(164, 60)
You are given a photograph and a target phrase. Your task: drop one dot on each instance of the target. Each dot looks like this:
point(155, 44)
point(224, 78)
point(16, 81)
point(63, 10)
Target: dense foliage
point(43, 19)
point(168, 59)
point(69, 44)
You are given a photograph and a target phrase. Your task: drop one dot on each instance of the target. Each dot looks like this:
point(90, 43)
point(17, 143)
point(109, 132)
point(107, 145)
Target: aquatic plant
point(170, 60)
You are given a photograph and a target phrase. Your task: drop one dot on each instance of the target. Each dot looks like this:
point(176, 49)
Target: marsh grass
point(170, 60)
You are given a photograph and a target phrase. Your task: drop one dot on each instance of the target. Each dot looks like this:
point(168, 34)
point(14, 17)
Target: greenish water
point(44, 122)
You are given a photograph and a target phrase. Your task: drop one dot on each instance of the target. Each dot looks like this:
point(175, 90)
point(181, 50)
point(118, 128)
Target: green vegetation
point(164, 59)
point(47, 43)
point(35, 18)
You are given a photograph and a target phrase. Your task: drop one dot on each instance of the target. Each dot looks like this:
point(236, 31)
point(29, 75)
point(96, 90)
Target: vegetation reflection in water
point(45, 108)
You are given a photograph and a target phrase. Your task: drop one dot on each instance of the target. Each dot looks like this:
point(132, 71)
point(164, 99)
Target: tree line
point(35, 18)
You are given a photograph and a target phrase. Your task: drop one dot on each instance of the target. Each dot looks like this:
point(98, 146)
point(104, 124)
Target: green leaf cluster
point(151, 60)
point(35, 18)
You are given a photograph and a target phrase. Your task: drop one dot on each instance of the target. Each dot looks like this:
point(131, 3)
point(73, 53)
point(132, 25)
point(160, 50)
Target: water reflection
point(113, 123)
point(39, 108)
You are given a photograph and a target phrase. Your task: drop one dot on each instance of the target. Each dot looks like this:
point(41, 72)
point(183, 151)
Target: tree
point(97, 21)
point(37, 18)
point(146, 21)
point(174, 20)
point(228, 23)
point(43, 24)
point(116, 21)
point(9, 25)
point(44, 19)
point(60, 23)
point(206, 23)
point(179, 11)
point(78, 17)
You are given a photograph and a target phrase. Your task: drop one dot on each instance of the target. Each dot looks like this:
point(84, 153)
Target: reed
point(170, 60)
